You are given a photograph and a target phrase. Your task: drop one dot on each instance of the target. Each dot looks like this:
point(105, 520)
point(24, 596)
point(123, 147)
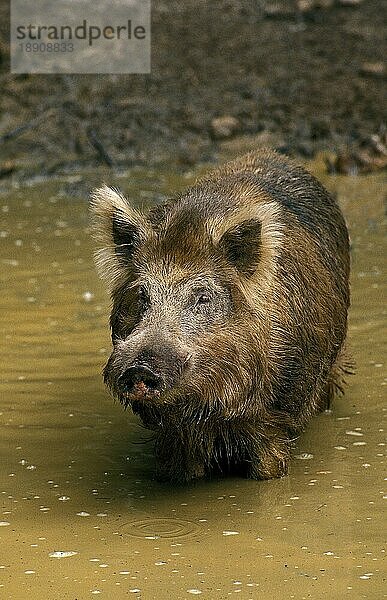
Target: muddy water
point(81, 515)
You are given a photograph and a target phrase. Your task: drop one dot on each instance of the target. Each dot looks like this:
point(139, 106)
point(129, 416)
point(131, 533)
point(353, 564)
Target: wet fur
point(250, 386)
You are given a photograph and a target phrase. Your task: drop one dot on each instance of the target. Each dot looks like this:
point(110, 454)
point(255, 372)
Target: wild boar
point(229, 314)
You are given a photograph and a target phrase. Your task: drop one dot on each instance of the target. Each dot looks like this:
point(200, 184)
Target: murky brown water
point(80, 513)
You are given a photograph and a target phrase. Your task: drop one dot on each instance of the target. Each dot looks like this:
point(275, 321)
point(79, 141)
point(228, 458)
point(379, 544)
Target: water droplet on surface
point(87, 296)
point(304, 456)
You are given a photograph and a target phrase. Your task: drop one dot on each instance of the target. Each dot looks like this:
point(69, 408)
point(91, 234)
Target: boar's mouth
point(143, 386)
point(140, 388)
point(139, 383)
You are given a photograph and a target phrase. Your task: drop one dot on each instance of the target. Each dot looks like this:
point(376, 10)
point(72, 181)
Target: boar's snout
point(139, 375)
point(142, 377)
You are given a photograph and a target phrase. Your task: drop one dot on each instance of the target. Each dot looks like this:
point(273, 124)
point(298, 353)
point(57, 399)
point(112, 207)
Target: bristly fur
point(268, 248)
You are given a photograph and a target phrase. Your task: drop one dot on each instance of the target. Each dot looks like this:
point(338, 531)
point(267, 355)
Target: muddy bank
point(300, 76)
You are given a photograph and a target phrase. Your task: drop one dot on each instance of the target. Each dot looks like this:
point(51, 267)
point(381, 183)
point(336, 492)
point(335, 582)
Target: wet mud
point(301, 76)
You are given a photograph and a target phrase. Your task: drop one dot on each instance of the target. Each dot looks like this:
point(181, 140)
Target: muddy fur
point(229, 314)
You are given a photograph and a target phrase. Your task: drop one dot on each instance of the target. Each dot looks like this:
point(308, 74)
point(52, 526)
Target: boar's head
point(182, 304)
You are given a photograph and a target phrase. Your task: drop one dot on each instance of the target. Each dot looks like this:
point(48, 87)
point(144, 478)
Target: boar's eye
point(202, 297)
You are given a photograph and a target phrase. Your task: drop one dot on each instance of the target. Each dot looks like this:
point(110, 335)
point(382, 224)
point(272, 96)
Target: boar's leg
point(255, 450)
point(268, 461)
point(179, 458)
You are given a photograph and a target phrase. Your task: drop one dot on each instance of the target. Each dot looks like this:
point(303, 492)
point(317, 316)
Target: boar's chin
point(145, 402)
point(148, 413)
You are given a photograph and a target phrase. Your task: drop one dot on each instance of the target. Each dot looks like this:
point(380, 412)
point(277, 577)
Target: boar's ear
point(241, 245)
point(119, 230)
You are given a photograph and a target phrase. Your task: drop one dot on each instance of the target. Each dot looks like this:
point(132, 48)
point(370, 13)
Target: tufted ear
point(119, 230)
point(241, 245)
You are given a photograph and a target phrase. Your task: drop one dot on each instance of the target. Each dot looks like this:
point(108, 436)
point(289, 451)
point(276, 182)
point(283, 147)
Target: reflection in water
point(80, 512)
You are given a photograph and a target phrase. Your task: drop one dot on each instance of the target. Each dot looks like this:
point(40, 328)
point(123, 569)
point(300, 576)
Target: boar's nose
point(140, 373)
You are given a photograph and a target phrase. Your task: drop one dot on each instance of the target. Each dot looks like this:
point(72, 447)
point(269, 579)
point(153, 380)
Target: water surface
point(81, 515)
